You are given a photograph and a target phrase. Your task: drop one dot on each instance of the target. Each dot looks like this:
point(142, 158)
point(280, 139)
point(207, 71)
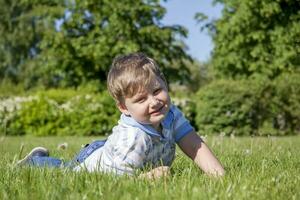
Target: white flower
point(232, 136)
point(87, 97)
point(222, 134)
point(10, 105)
point(247, 151)
point(66, 106)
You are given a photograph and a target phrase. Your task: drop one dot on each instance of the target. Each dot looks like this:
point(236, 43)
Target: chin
point(157, 119)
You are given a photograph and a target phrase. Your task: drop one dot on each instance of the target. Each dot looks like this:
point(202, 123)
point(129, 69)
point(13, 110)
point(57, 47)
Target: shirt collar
point(166, 123)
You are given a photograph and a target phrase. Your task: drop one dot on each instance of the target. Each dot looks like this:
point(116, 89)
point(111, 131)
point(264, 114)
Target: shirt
point(133, 145)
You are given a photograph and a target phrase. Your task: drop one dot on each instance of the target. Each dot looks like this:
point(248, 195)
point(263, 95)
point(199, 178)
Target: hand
point(156, 173)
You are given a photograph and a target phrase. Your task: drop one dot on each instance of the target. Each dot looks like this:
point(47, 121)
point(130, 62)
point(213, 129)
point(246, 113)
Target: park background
point(240, 89)
point(55, 56)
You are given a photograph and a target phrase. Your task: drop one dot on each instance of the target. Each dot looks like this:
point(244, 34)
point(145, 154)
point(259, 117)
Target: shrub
point(224, 106)
point(83, 114)
point(90, 115)
point(8, 88)
point(188, 108)
point(256, 106)
point(286, 103)
point(35, 117)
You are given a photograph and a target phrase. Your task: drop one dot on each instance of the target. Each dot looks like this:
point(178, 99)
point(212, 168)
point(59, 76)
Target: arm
point(194, 147)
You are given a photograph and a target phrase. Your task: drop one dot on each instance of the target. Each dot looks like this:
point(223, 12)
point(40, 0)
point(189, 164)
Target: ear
point(123, 108)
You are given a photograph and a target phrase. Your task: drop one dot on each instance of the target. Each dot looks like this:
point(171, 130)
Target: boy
point(147, 130)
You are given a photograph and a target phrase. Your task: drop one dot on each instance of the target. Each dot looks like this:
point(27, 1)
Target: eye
point(157, 91)
point(140, 100)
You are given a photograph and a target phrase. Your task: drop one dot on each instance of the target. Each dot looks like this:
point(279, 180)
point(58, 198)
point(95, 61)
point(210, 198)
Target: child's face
point(150, 105)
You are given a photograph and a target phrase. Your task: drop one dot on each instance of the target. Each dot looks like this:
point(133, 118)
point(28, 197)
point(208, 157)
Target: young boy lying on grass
point(147, 132)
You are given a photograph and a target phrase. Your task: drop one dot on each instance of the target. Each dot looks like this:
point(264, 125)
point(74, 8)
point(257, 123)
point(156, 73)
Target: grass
point(257, 168)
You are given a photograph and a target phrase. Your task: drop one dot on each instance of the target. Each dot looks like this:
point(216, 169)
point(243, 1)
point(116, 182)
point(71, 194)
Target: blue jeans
point(45, 161)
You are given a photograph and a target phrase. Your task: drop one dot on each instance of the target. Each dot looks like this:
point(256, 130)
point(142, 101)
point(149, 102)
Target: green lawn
point(257, 168)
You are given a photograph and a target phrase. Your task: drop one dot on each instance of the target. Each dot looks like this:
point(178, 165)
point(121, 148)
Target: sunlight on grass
point(257, 168)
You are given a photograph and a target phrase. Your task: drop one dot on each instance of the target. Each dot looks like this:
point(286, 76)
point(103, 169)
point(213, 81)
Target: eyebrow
point(157, 86)
point(139, 95)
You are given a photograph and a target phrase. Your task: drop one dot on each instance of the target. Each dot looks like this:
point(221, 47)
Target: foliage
point(22, 26)
point(199, 76)
point(60, 114)
point(286, 102)
point(250, 107)
point(257, 37)
point(225, 106)
point(69, 112)
point(256, 106)
point(89, 34)
point(182, 98)
point(9, 89)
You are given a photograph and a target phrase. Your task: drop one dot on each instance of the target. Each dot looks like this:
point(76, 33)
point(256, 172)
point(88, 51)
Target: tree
point(22, 24)
point(257, 37)
point(93, 32)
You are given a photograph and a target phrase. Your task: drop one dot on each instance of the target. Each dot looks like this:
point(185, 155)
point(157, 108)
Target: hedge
point(62, 114)
point(257, 106)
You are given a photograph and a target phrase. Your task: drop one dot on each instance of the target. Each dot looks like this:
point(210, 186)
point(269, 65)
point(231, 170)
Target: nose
point(154, 101)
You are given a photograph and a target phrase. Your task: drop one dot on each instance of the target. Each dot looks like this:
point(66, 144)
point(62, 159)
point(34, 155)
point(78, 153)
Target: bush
point(286, 102)
point(61, 114)
point(224, 106)
point(8, 88)
point(187, 106)
point(240, 107)
point(250, 107)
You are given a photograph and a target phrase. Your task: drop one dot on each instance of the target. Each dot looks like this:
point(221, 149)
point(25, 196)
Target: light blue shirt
point(133, 145)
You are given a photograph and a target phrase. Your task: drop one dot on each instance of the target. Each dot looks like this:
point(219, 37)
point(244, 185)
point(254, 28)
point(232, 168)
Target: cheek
point(138, 109)
point(164, 97)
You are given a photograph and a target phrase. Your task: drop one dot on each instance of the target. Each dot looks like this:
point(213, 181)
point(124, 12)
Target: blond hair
point(131, 73)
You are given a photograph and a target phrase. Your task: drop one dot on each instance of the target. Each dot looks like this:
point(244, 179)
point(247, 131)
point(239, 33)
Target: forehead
point(152, 84)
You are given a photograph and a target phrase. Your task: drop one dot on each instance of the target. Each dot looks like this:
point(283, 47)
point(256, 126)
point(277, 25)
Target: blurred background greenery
point(55, 55)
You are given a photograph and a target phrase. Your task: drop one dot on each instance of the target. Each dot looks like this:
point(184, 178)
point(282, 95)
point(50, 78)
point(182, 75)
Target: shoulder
point(181, 125)
point(177, 113)
point(173, 117)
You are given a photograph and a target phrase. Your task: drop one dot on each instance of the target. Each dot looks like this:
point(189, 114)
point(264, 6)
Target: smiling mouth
point(157, 111)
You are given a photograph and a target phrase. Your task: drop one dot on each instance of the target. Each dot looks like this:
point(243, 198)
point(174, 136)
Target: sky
point(182, 12)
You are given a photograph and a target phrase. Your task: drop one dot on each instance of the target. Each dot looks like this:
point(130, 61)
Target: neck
point(158, 127)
